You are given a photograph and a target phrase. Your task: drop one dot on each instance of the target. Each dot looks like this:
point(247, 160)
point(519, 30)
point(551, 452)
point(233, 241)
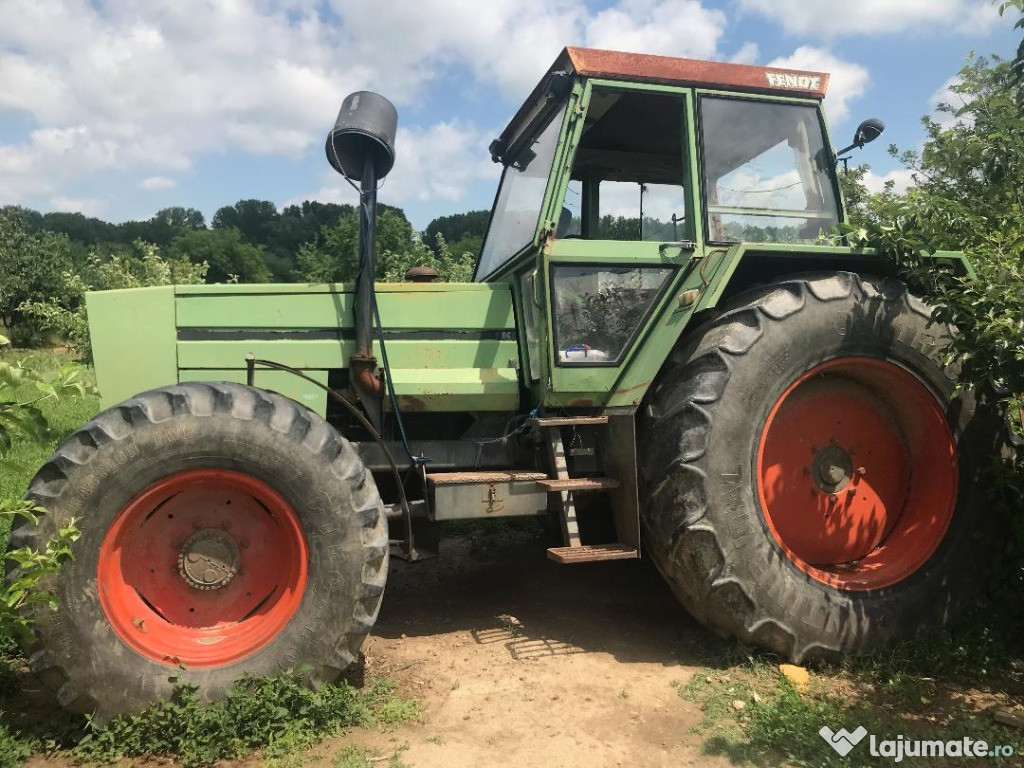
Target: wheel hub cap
point(833, 469)
point(209, 559)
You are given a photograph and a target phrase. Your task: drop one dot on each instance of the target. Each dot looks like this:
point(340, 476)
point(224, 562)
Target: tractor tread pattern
point(688, 547)
point(320, 441)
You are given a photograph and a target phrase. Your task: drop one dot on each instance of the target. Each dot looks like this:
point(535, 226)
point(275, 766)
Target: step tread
point(579, 483)
point(468, 478)
point(587, 553)
point(567, 421)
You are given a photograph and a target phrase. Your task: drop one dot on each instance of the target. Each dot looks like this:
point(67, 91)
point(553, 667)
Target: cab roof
point(645, 68)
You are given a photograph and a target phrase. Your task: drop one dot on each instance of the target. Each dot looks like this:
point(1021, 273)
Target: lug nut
point(833, 497)
point(861, 471)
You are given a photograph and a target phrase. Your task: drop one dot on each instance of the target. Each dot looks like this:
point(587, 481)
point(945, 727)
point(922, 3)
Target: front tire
point(821, 497)
point(225, 530)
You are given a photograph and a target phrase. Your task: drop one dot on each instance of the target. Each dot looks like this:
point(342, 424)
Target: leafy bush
point(140, 266)
point(334, 255)
point(968, 195)
point(13, 750)
point(22, 420)
point(277, 714)
point(34, 265)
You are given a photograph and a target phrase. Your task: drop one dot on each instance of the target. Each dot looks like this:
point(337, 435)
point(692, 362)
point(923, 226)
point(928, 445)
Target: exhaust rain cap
point(365, 130)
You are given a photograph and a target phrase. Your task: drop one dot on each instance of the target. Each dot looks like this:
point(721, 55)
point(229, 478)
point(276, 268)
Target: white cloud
point(827, 17)
point(901, 179)
point(154, 183)
point(87, 206)
point(117, 85)
point(436, 163)
point(669, 28)
point(945, 96)
point(848, 80)
point(747, 54)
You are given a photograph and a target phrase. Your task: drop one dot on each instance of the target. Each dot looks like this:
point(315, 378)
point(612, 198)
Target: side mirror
point(866, 132)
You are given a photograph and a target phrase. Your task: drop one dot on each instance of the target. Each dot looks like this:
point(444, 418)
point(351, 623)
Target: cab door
point(626, 238)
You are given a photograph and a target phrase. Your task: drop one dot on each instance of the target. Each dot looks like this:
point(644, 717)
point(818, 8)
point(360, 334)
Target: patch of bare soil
point(519, 661)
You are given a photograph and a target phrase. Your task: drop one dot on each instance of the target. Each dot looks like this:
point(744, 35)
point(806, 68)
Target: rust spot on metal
point(421, 274)
point(468, 478)
point(617, 65)
point(361, 368)
point(411, 404)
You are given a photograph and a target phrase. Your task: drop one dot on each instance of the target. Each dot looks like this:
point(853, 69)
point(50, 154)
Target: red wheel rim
point(857, 473)
point(203, 568)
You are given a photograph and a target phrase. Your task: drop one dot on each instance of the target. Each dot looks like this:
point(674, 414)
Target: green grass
point(281, 716)
point(64, 416)
point(354, 756)
point(927, 689)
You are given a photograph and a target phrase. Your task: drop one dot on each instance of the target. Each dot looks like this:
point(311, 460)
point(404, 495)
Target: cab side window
point(628, 172)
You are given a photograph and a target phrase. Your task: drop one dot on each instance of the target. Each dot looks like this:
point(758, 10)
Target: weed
point(752, 715)
point(13, 749)
point(280, 715)
point(354, 756)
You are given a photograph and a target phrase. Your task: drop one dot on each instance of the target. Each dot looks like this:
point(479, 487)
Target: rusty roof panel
point(641, 67)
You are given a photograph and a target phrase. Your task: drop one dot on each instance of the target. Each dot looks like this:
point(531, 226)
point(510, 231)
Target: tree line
point(49, 260)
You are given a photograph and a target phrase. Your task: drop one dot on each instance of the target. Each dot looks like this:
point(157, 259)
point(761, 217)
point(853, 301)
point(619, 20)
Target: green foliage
point(465, 231)
point(228, 257)
point(1018, 62)
point(22, 420)
point(33, 268)
point(334, 255)
point(924, 689)
point(140, 266)
point(969, 195)
point(278, 715)
point(13, 750)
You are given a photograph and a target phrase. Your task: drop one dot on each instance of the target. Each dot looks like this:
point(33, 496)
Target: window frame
point(566, 107)
point(672, 270)
point(699, 96)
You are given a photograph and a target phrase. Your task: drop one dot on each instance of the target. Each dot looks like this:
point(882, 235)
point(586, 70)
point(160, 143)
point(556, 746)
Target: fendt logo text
point(793, 80)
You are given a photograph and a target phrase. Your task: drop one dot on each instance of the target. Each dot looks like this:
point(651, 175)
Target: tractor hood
point(452, 346)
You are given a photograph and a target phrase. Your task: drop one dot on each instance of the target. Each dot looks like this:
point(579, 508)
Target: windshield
point(517, 209)
point(767, 174)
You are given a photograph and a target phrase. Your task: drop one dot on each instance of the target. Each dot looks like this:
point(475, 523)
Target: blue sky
point(118, 108)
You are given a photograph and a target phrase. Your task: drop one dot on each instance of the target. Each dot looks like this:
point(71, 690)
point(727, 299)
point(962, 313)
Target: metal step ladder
point(564, 487)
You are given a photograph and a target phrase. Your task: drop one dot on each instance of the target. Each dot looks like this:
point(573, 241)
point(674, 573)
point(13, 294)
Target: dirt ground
point(519, 661)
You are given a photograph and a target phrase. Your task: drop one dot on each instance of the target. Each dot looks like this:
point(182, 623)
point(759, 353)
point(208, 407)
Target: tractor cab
point(629, 182)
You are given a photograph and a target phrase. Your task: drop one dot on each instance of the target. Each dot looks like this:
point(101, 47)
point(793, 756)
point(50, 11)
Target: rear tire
point(225, 529)
point(801, 542)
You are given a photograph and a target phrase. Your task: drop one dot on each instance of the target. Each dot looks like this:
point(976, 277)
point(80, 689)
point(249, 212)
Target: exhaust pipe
point(361, 147)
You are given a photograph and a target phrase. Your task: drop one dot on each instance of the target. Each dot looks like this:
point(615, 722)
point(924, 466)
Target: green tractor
point(666, 348)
